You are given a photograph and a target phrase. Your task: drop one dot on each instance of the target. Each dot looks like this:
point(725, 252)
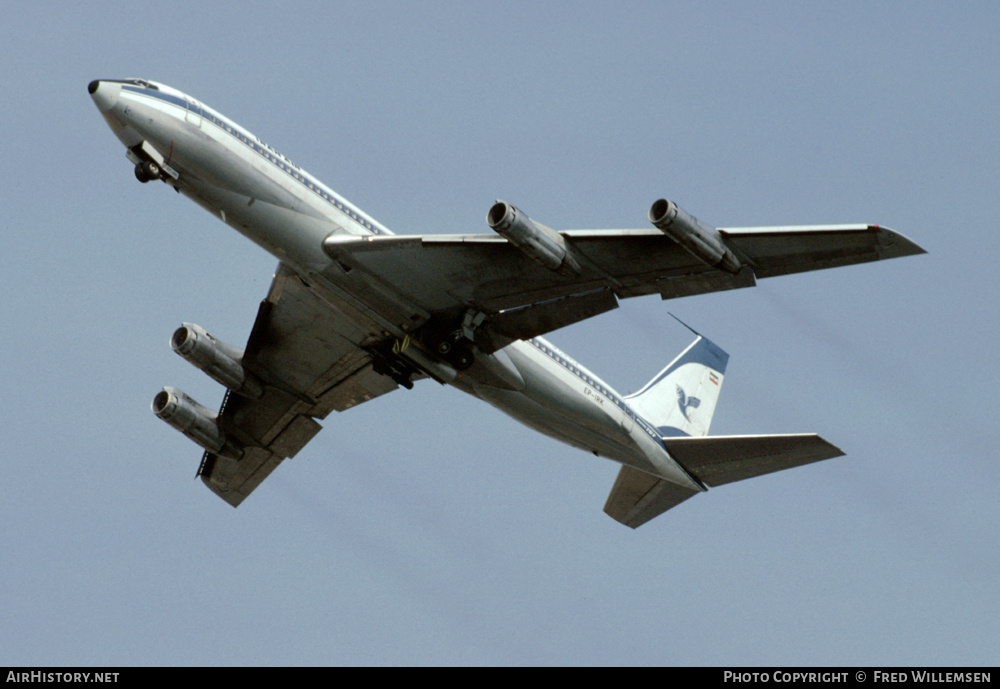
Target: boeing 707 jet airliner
point(355, 311)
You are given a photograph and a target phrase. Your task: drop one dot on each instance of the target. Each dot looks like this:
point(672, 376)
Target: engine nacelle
point(703, 241)
point(218, 359)
point(543, 244)
point(198, 423)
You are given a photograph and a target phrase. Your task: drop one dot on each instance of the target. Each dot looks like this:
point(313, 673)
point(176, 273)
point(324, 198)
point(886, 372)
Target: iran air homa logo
point(685, 402)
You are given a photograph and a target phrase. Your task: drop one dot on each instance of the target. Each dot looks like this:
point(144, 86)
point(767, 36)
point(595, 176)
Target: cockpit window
point(143, 83)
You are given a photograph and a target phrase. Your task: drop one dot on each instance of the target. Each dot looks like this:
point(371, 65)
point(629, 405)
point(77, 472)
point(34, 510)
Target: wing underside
point(637, 497)
point(521, 298)
point(311, 363)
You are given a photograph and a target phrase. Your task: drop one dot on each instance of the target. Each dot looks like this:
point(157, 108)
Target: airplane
point(355, 311)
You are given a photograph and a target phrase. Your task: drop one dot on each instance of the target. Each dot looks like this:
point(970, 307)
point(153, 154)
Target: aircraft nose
point(105, 94)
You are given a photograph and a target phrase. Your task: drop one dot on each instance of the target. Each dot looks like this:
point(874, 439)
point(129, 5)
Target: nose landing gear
point(151, 164)
point(147, 170)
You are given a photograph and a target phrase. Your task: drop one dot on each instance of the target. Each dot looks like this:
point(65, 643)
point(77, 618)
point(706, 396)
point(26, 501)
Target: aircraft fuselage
point(287, 211)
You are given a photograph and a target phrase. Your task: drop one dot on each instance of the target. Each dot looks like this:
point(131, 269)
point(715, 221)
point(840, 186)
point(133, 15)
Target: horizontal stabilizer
point(717, 460)
point(637, 496)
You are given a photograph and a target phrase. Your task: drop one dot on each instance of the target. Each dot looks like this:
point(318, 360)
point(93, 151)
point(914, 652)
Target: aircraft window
point(143, 83)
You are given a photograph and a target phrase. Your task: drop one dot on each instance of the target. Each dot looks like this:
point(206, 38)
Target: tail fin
point(681, 399)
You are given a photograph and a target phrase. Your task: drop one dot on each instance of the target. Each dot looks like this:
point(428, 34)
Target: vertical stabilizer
point(681, 399)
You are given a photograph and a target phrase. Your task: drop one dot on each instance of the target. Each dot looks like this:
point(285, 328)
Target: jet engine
point(218, 359)
point(543, 244)
point(193, 420)
point(702, 241)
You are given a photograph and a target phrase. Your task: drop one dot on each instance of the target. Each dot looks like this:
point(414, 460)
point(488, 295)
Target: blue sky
point(426, 527)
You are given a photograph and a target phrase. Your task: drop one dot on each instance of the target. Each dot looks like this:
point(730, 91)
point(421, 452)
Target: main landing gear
point(453, 339)
point(393, 366)
point(402, 359)
point(456, 352)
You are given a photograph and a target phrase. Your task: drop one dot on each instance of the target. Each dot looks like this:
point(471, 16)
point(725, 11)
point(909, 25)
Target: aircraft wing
point(521, 298)
point(311, 363)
